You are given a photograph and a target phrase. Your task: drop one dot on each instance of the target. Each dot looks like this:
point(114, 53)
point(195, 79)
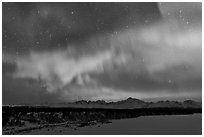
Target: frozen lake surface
point(145, 125)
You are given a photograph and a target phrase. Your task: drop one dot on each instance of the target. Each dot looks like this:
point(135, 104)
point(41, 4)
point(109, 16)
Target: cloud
point(58, 68)
point(160, 45)
point(160, 58)
point(74, 93)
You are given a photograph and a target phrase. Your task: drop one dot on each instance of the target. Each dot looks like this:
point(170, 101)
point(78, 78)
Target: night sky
point(61, 52)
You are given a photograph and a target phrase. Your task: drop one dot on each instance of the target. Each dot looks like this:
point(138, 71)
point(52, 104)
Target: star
point(183, 19)
point(146, 21)
point(180, 11)
point(169, 81)
point(115, 32)
point(187, 22)
point(17, 53)
point(50, 36)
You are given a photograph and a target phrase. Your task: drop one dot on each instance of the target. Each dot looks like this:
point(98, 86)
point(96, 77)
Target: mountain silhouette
point(131, 103)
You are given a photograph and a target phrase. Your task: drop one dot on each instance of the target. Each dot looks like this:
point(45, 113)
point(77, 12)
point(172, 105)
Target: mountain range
point(131, 103)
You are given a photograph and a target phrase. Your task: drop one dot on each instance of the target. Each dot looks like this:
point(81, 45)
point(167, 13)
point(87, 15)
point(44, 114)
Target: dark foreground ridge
point(18, 119)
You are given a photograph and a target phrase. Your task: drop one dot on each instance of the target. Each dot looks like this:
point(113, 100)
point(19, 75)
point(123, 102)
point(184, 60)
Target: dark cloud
point(169, 79)
point(38, 26)
point(110, 51)
point(25, 91)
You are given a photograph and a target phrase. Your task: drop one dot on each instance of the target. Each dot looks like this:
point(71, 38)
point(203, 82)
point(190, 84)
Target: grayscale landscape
point(101, 68)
